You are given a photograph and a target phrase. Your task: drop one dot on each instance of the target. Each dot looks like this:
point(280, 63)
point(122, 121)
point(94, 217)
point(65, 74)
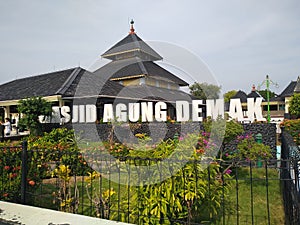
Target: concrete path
point(28, 215)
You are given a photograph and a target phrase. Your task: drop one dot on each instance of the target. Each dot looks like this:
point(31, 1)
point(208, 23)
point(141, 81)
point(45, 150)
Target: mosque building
point(132, 75)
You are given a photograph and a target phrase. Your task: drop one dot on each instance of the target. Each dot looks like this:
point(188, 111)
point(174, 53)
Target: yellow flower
point(92, 176)
point(141, 136)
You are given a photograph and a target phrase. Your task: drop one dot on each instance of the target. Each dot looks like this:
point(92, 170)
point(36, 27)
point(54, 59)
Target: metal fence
point(130, 190)
point(289, 176)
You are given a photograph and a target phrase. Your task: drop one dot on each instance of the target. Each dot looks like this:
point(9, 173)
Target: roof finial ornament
point(131, 27)
point(253, 88)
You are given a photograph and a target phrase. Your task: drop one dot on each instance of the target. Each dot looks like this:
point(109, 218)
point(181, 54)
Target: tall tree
point(294, 105)
point(205, 90)
point(32, 108)
point(228, 95)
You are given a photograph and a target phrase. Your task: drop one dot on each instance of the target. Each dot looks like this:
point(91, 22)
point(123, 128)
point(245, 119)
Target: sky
point(240, 42)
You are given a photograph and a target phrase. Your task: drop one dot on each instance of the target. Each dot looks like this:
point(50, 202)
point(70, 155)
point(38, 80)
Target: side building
point(277, 107)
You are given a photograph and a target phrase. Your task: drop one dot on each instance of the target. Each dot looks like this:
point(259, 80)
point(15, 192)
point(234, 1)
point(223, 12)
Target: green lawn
point(249, 203)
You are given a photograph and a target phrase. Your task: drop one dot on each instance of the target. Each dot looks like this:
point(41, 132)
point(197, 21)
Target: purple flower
point(228, 171)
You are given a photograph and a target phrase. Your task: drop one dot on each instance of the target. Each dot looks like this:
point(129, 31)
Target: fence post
point(24, 172)
point(258, 139)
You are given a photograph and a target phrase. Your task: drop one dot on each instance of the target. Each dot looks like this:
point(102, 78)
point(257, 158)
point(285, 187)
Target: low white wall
point(29, 215)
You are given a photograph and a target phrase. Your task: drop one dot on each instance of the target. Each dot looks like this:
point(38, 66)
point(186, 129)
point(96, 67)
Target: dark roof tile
point(241, 95)
point(297, 86)
point(254, 94)
point(147, 68)
point(289, 90)
point(41, 85)
point(167, 95)
point(131, 43)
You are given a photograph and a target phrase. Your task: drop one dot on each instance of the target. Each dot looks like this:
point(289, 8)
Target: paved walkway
point(28, 215)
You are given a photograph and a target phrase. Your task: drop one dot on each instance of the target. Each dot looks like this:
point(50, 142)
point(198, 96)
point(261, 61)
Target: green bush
point(293, 127)
point(194, 193)
point(58, 147)
point(248, 149)
point(10, 167)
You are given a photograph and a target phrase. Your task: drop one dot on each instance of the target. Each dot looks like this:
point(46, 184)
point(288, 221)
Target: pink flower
point(228, 171)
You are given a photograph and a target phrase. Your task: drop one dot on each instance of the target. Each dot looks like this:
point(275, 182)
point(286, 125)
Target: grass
point(257, 200)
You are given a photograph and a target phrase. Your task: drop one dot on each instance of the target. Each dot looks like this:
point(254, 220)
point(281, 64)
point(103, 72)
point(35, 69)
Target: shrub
point(58, 145)
point(293, 127)
point(10, 180)
point(248, 149)
point(194, 193)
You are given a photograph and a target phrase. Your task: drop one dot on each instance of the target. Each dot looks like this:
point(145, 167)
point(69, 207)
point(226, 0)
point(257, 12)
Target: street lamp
point(267, 81)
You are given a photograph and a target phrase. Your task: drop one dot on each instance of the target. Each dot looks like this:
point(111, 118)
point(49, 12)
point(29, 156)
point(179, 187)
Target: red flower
point(31, 182)
point(201, 151)
point(12, 175)
point(6, 167)
point(5, 194)
point(16, 168)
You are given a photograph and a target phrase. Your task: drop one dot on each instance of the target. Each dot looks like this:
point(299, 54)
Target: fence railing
point(289, 176)
point(152, 191)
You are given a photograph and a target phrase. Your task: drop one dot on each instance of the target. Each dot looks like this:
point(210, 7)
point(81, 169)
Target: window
point(282, 107)
point(142, 80)
point(157, 83)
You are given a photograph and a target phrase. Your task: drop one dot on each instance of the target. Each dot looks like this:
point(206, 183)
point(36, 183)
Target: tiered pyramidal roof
point(142, 58)
point(131, 46)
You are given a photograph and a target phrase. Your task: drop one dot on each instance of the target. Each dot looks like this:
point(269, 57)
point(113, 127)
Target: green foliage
point(32, 108)
point(294, 105)
point(228, 95)
point(233, 129)
point(67, 198)
point(10, 179)
point(264, 94)
point(101, 198)
point(60, 138)
point(293, 127)
point(205, 91)
point(59, 145)
point(223, 130)
point(144, 148)
point(248, 149)
point(57, 148)
point(194, 193)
